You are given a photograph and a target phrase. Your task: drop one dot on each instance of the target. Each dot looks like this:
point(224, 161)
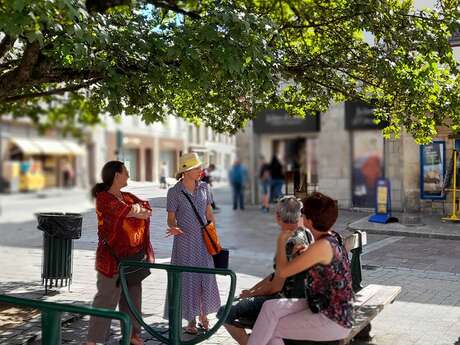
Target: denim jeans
point(238, 196)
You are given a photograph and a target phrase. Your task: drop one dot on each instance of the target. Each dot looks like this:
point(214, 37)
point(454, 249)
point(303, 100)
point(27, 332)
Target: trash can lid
point(59, 214)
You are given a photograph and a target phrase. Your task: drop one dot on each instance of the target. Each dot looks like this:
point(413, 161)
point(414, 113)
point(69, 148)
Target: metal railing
point(51, 317)
point(174, 295)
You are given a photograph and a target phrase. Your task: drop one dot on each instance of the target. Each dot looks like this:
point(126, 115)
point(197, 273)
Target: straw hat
point(188, 162)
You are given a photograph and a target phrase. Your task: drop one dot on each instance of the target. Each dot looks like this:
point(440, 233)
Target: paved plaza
point(427, 312)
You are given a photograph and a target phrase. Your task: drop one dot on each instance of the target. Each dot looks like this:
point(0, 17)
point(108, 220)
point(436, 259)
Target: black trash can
point(59, 229)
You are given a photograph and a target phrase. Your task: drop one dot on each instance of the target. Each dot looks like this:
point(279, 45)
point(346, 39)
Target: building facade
point(31, 160)
point(147, 150)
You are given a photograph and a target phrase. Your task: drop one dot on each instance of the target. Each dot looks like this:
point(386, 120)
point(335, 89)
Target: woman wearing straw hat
point(200, 294)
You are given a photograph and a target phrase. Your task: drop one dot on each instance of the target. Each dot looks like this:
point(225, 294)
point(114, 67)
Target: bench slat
point(370, 301)
point(386, 294)
point(365, 294)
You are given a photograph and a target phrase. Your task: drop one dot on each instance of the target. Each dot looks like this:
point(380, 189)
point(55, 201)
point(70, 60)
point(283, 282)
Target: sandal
point(191, 329)
point(204, 323)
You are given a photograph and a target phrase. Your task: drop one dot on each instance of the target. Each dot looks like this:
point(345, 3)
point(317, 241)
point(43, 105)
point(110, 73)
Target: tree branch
point(58, 91)
point(5, 44)
point(29, 60)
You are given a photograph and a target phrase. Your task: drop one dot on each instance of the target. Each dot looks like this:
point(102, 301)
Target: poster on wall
point(432, 170)
point(367, 167)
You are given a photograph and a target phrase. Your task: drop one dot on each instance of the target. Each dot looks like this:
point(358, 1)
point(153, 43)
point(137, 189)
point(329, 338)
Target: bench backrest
point(355, 240)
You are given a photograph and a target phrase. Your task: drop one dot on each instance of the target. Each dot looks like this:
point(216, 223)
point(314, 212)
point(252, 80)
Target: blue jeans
point(238, 196)
point(276, 189)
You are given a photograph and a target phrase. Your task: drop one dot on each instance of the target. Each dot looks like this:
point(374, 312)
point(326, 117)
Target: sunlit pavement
point(427, 312)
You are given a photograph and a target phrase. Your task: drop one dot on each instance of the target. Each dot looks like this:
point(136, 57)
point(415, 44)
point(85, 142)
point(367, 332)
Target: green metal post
point(174, 307)
point(51, 327)
point(356, 269)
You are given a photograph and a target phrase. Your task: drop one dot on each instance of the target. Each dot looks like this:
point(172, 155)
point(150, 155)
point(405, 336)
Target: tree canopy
point(220, 62)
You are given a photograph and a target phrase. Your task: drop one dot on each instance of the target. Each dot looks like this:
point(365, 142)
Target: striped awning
point(47, 146)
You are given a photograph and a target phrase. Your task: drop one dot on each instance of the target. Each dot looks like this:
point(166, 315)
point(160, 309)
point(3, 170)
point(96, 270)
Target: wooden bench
point(368, 303)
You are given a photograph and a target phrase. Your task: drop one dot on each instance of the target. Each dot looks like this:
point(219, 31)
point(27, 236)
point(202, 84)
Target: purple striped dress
point(200, 294)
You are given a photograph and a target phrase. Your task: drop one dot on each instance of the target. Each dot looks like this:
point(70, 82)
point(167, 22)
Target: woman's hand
point(139, 212)
point(144, 213)
point(299, 249)
point(283, 236)
point(245, 294)
point(174, 231)
point(151, 259)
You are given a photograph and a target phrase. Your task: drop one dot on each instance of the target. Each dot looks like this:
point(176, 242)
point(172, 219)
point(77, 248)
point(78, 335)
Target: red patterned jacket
point(126, 236)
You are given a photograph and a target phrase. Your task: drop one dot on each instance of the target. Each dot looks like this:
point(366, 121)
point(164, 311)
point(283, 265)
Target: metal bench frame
point(174, 301)
point(51, 317)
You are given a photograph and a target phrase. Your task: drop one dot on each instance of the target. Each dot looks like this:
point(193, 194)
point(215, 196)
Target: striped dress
point(200, 294)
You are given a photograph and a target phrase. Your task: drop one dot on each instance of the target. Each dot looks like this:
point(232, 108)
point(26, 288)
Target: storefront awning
point(27, 146)
point(75, 148)
point(45, 146)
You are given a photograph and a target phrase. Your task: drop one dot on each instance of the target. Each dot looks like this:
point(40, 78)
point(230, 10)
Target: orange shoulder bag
point(211, 240)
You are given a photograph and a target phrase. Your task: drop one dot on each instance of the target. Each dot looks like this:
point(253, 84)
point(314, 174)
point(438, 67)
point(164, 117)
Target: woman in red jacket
point(123, 231)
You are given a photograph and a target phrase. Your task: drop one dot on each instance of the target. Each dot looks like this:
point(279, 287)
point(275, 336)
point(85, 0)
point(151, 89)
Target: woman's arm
point(173, 229)
point(210, 214)
point(267, 286)
point(137, 211)
point(319, 252)
point(172, 222)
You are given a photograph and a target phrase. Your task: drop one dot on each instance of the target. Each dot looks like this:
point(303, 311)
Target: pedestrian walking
point(238, 176)
point(277, 179)
point(264, 178)
point(200, 294)
point(163, 175)
point(68, 174)
point(123, 231)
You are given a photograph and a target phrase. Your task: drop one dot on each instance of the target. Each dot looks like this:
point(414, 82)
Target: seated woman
point(326, 314)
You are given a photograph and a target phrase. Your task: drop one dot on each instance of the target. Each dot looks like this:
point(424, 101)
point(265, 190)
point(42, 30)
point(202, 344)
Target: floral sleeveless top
point(333, 284)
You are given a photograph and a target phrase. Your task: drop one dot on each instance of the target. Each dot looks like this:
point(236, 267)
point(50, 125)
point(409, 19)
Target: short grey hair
point(289, 209)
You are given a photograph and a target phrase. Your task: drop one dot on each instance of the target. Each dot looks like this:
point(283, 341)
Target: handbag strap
point(200, 219)
point(111, 251)
point(194, 209)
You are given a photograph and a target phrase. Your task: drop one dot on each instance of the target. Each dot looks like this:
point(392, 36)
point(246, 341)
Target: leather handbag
point(134, 275)
point(211, 240)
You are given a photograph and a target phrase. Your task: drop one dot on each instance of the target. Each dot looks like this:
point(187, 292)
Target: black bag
point(221, 258)
point(134, 275)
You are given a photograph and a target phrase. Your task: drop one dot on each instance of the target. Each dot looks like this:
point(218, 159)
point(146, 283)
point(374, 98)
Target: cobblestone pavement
point(427, 311)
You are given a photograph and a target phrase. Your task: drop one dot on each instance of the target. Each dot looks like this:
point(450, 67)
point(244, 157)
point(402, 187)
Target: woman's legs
point(272, 311)
point(291, 319)
point(305, 325)
point(135, 292)
point(107, 296)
